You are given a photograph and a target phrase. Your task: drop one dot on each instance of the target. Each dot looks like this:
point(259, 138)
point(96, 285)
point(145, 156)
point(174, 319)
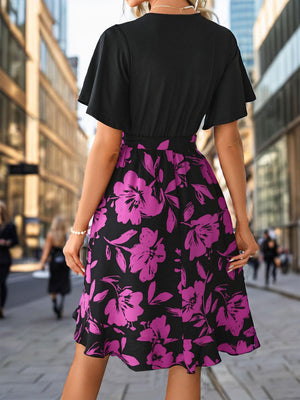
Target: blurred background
point(45, 137)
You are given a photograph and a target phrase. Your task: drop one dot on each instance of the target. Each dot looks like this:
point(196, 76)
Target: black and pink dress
point(157, 291)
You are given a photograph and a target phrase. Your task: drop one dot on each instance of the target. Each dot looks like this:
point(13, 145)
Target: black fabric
point(106, 86)
point(59, 281)
point(228, 103)
point(7, 232)
point(160, 74)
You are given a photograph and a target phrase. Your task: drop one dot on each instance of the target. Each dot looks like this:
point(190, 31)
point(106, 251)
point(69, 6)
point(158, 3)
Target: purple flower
point(99, 219)
point(125, 308)
point(204, 232)
point(159, 357)
point(134, 199)
point(232, 316)
point(124, 156)
point(146, 255)
point(158, 330)
point(192, 300)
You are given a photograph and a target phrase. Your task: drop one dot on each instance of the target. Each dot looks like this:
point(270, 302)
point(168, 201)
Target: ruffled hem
point(205, 355)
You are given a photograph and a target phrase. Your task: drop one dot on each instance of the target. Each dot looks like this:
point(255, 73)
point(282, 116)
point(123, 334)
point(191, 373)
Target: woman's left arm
point(100, 165)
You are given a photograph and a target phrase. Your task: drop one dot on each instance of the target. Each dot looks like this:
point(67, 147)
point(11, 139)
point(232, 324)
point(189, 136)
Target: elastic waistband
point(160, 142)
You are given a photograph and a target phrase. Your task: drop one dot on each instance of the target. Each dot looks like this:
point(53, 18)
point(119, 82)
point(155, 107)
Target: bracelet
point(78, 232)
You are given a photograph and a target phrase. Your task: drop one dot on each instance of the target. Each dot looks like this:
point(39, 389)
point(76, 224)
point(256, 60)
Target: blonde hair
point(4, 219)
point(58, 230)
point(145, 7)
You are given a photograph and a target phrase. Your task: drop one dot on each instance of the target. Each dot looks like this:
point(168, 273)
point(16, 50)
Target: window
point(16, 9)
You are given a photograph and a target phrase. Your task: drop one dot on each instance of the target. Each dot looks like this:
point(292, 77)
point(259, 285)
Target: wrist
point(242, 221)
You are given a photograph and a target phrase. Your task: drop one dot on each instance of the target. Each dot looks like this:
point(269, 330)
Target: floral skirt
point(157, 291)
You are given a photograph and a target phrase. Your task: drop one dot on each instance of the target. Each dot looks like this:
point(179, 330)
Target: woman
point(59, 280)
point(164, 284)
point(8, 239)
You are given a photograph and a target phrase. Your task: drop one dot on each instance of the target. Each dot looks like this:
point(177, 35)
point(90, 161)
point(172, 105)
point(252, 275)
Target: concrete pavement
point(37, 350)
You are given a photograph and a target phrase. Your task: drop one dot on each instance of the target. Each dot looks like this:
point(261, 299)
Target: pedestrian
point(163, 286)
point(8, 239)
point(269, 249)
point(284, 260)
point(59, 279)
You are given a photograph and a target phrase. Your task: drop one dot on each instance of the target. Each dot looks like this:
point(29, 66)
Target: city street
point(36, 352)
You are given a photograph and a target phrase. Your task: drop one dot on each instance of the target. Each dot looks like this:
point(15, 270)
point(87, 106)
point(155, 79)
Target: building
point(242, 16)
point(277, 122)
point(43, 150)
point(205, 140)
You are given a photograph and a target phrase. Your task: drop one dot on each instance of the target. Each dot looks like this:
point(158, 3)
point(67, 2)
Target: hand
point(42, 268)
point(245, 242)
point(71, 252)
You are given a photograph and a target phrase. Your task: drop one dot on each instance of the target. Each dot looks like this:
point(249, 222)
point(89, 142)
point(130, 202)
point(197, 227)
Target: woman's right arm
point(230, 152)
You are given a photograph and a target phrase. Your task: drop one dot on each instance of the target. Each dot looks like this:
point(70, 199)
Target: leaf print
point(148, 164)
point(188, 211)
point(121, 260)
point(124, 237)
point(107, 252)
point(171, 186)
point(173, 200)
point(162, 297)
point(175, 311)
point(160, 177)
point(214, 305)
point(130, 359)
point(171, 221)
point(123, 342)
point(231, 247)
point(111, 279)
point(208, 304)
point(201, 271)
point(151, 291)
point(201, 191)
point(163, 145)
point(93, 328)
point(203, 340)
point(100, 296)
point(118, 330)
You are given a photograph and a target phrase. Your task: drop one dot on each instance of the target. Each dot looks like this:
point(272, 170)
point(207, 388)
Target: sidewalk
point(37, 350)
point(287, 284)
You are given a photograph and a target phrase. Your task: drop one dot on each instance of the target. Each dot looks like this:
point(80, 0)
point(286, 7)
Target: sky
point(87, 20)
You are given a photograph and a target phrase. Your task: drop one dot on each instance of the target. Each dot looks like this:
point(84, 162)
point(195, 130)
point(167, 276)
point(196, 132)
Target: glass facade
point(272, 189)
point(52, 116)
point(13, 58)
point(54, 199)
point(279, 35)
point(278, 90)
point(12, 124)
point(58, 9)
point(51, 70)
point(57, 162)
point(242, 16)
point(16, 9)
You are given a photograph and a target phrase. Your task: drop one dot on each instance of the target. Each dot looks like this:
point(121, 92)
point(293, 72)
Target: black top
point(159, 74)
point(7, 232)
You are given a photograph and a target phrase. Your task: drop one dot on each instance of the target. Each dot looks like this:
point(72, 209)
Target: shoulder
point(114, 34)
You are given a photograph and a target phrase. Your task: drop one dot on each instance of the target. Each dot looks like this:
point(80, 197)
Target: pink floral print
point(157, 291)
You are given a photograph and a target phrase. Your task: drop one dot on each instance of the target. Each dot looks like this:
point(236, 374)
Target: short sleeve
point(105, 89)
point(233, 91)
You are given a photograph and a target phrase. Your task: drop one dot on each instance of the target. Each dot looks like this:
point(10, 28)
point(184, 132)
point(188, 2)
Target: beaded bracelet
point(78, 232)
